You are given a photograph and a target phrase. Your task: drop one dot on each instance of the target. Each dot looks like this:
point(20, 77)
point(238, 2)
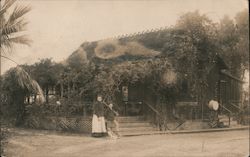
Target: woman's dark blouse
point(98, 109)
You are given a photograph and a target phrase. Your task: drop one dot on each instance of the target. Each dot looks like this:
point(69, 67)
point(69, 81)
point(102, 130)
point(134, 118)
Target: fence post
point(84, 110)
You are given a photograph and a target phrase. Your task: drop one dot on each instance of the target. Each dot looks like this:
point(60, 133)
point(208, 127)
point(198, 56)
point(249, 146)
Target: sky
point(59, 27)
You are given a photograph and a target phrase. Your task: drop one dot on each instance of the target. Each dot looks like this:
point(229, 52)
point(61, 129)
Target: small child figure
point(112, 124)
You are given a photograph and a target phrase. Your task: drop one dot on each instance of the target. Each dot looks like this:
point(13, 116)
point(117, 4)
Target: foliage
point(16, 84)
point(45, 72)
point(191, 46)
point(187, 52)
point(4, 135)
point(233, 40)
point(156, 71)
point(12, 25)
point(67, 107)
point(16, 80)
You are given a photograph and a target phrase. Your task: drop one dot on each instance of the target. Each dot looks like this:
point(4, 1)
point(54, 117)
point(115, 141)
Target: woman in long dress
point(98, 121)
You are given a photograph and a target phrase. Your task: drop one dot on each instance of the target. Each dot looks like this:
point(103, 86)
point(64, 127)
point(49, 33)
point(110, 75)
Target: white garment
point(98, 124)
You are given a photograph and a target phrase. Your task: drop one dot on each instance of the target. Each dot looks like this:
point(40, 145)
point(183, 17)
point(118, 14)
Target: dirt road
point(30, 143)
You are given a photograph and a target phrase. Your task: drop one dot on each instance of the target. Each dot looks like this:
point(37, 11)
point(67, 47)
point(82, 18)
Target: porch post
point(201, 100)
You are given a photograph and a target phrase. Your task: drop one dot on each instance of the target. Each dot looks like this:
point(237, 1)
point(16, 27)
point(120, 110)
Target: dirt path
point(30, 143)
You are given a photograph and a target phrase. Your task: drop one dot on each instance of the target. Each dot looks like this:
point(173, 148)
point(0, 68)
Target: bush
point(3, 139)
point(66, 108)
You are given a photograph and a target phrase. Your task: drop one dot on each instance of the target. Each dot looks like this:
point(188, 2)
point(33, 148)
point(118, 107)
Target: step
point(235, 125)
point(225, 116)
point(138, 133)
point(185, 131)
point(135, 124)
point(231, 122)
point(129, 119)
point(133, 129)
point(232, 126)
point(222, 116)
point(224, 120)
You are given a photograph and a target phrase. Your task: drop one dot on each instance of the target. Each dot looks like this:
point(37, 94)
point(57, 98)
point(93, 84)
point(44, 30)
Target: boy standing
point(112, 124)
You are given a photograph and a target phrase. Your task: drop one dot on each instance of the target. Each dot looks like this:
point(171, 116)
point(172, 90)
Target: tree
point(16, 85)
point(46, 74)
point(242, 47)
point(199, 49)
point(12, 26)
point(201, 32)
point(233, 41)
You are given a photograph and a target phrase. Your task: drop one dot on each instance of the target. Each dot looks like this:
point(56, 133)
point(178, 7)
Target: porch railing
point(235, 106)
point(160, 118)
point(228, 115)
point(162, 122)
point(240, 112)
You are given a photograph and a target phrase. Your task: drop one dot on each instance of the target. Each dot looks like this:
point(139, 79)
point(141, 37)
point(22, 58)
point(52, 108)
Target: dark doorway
point(132, 96)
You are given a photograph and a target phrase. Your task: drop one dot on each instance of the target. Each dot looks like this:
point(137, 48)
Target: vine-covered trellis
point(158, 70)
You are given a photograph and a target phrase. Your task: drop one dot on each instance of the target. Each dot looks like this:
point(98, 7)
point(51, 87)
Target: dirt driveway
point(31, 143)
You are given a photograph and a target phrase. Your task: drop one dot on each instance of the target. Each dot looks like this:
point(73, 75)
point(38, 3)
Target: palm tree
point(12, 26)
point(16, 87)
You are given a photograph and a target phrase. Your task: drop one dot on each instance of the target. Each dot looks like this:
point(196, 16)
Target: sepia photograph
point(124, 78)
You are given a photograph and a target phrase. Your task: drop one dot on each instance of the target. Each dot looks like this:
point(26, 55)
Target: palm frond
point(25, 81)
point(18, 12)
point(6, 47)
point(8, 44)
point(10, 28)
point(23, 39)
point(6, 5)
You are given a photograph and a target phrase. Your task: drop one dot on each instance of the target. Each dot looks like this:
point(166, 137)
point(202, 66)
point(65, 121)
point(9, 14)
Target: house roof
point(227, 73)
point(142, 45)
point(155, 43)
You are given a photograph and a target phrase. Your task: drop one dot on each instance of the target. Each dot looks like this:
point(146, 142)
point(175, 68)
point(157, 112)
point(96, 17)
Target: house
point(136, 98)
point(141, 75)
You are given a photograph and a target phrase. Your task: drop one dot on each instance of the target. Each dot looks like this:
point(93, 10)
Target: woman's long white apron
point(98, 124)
